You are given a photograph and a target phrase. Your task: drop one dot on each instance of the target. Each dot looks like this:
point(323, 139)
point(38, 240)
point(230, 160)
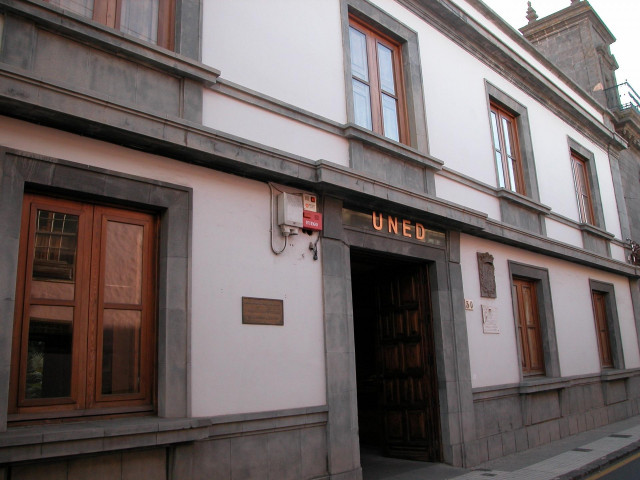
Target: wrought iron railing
point(622, 96)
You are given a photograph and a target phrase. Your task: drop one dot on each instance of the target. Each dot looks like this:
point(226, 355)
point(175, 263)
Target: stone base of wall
point(513, 418)
point(283, 445)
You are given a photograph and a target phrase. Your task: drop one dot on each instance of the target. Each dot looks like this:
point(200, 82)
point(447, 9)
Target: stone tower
point(577, 41)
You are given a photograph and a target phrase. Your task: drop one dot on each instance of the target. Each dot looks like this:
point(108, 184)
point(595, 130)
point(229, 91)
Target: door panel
point(407, 399)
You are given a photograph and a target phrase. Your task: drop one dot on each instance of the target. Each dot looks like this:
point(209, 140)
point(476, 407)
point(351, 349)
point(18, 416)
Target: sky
point(620, 16)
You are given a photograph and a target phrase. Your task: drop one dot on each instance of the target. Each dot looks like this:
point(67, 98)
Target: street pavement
point(577, 457)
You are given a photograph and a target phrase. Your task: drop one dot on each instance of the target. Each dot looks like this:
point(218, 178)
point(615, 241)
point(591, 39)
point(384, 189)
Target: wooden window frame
point(601, 320)
point(524, 338)
point(373, 37)
point(518, 174)
point(108, 13)
point(580, 172)
point(608, 296)
point(86, 397)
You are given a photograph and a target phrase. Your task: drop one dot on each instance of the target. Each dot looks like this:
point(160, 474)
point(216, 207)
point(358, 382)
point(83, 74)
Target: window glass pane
point(512, 179)
point(121, 351)
point(494, 130)
point(140, 19)
point(361, 104)
point(48, 369)
point(500, 169)
point(81, 7)
point(123, 263)
point(385, 63)
point(54, 256)
point(506, 130)
point(358, 43)
point(390, 117)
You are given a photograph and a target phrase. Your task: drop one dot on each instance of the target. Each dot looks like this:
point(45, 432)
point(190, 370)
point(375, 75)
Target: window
point(583, 191)
point(84, 326)
point(605, 313)
point(149, 20)
point(534, 320)
point(528, 322)
point(376, 81)
point(602, 328)
point(506, 149)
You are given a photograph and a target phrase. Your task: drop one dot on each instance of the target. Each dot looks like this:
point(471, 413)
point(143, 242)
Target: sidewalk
point(570, 458)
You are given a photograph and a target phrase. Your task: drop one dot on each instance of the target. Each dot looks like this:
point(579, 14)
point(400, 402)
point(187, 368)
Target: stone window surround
point(20, 171)
point(520, 112)
point(613, 323)
point(382, 21)
point(594, 186)
point(545, 311)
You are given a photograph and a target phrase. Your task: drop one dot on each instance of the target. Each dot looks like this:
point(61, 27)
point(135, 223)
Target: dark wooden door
point(395, 359)
point(531, 352)
point(410, 394)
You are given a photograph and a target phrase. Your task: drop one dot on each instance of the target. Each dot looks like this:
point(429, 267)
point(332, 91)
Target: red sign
point(311, 220)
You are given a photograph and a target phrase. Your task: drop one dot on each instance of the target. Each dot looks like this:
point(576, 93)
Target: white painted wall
point(275, 131)
point(494, 359)
point(563, 232)
point(459, 193)
point(288, 49)
point(234, 367)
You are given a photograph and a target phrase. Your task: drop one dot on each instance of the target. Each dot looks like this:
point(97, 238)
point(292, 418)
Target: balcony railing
point(622, 96)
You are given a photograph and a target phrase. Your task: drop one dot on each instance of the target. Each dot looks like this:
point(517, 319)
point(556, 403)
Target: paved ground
point(570, 458)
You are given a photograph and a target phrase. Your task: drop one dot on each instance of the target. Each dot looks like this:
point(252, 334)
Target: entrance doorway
point(395, 358)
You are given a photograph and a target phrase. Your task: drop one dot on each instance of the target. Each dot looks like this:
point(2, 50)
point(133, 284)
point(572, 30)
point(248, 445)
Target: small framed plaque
point(262, 311)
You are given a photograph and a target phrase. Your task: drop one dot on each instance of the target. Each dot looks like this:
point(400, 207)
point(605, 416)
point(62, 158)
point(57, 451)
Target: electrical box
point(289, 213)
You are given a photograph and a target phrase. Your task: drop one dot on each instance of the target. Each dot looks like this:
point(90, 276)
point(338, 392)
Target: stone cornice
point(627, 124)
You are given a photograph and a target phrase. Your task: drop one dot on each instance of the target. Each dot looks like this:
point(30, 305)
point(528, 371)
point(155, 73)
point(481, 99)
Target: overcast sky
point(621, 16)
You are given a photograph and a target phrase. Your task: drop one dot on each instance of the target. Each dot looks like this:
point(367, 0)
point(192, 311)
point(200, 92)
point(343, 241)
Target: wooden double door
point(395, 358)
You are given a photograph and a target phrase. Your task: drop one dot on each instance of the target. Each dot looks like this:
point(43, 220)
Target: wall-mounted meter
point(289, 213)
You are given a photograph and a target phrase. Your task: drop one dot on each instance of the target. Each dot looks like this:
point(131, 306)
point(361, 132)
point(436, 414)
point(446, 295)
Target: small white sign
point(468, 305)
point(489, 320)
point(309, 201)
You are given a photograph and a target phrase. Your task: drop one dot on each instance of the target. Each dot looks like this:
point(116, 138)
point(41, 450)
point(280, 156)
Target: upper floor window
point(149, 20)
point(583, 190)
point(507, 150)
point(376, 80)
point(84, 328)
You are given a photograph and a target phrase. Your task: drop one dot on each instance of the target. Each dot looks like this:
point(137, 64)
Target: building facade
point(174, 307)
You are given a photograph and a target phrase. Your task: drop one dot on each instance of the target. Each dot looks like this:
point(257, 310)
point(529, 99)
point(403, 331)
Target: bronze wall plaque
point(262, 311)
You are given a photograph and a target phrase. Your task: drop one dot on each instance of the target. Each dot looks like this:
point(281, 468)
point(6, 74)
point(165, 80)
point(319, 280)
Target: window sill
point(523, 201)
point(54, 440)
point(542, 384)
point(391, 147)
point(118, 43)
point(596, 231)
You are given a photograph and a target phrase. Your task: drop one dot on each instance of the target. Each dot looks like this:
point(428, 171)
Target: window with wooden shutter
point(506, 149)
point(583, 190)
point(149, 20)
point(377, 82)
point(84, 328)
point(602, 328)
point(528, 322)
